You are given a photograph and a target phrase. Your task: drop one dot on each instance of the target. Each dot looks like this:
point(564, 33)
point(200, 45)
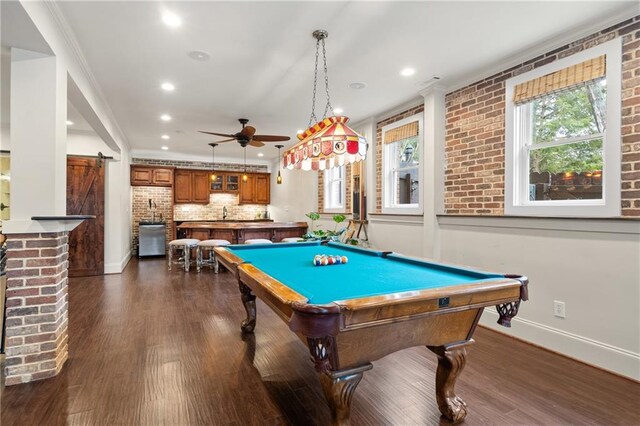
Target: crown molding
point(178, 156)
point(74, 48)
point(543, 47)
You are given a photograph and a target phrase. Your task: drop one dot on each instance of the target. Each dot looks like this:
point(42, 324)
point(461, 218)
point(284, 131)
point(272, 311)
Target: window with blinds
point(559, 130)
point(401, 164)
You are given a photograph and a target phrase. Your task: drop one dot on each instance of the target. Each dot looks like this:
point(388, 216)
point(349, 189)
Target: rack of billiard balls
point(324, 260)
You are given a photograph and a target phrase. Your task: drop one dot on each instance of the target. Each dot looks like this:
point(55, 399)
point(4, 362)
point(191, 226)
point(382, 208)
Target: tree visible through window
point(566, 149)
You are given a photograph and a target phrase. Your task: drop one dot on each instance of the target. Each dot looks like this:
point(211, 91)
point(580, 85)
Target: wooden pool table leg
point(249, 302)
point(338, 388)
point(451, 362)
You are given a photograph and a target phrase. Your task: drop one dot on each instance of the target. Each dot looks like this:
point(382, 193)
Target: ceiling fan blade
point(270, 138)
point(248, 131)
point(223, 140)
point(218, 134)
point(256, 143)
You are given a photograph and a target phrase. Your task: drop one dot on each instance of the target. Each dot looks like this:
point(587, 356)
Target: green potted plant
point(320, 234)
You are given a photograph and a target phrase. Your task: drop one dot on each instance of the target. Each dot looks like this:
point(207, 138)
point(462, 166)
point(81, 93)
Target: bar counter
point(239, 232)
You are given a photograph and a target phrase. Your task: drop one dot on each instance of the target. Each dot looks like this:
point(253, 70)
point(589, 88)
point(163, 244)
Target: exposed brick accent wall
point(475, 129)
point(36, 344)
point(201, 165)
point(404, 114)
point(213, 210)
point(348, 190)
point(140, 196)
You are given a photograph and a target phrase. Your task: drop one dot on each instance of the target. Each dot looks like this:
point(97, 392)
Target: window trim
point(326, 185)
point(387, 206)
point(516, 195)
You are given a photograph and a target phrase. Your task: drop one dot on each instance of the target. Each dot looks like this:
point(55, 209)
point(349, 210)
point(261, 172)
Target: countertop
point(240, 225)
point(225, 221)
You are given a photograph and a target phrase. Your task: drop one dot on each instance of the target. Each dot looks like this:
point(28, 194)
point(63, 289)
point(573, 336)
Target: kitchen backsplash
point(213, 210)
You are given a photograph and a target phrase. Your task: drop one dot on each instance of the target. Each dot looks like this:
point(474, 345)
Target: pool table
point(376, 304)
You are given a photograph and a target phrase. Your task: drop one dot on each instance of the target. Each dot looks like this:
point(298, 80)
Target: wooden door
point(182, 187)
point(85, 195)
point(248, 190)
point(200, 182)
point(262, 189)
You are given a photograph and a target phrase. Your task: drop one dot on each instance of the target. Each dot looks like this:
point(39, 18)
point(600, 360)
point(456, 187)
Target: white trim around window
point(516, 166)
point(335, 189)
point(389, 206)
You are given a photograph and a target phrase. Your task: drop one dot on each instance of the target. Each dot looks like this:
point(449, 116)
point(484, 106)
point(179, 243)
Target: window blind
point(574, 75)
point(405, 131)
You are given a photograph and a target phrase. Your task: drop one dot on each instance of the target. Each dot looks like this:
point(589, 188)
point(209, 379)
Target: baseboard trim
point(607, 357)
point(117, 267)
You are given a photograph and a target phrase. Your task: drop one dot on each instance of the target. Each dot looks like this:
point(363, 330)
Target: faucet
point(224, 213)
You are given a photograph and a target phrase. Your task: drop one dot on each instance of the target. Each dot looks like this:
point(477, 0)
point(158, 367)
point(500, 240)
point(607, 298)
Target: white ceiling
point(262, 58)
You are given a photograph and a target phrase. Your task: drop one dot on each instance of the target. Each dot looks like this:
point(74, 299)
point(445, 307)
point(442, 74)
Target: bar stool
point(258, 241)
point(291, 240)
point(185, 244)
point(208, 246)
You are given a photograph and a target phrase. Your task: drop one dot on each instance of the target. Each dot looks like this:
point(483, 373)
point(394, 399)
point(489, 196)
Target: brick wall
point(348, 190)
point(140, 196)
point(404, 114)
point(36, 327)
point(201, 165)
point(475, 129)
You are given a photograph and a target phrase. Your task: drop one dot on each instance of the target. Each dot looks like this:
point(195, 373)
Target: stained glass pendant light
point(329, 142)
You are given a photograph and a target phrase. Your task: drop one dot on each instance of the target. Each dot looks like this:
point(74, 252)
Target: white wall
point(295, 197)
point(117, 224)
point(592, 266)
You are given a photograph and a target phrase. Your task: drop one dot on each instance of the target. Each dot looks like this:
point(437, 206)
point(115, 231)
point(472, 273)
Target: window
point(334, 190)
point(401, 166)
point(563, 136)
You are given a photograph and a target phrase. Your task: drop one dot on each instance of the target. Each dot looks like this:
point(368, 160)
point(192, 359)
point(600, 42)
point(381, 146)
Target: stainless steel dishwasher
point(152, 239)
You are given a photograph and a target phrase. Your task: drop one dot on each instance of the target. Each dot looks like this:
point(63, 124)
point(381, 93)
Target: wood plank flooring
point(150, 347)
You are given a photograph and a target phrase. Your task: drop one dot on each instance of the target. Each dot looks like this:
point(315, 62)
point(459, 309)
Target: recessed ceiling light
point(165, 117)
point(165, 136)
point(407, 72)
point(168, 86)
point(300, 132)
point(165, 148)
point(260, 154)
point(171, 19)
point(69, 123)
point(199, 55)
point(338, 110)
point(358, 85)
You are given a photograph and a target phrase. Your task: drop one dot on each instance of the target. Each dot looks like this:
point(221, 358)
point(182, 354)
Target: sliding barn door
point(85, 195)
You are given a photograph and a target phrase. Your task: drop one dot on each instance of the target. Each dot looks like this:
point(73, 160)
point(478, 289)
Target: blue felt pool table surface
point(367, 273)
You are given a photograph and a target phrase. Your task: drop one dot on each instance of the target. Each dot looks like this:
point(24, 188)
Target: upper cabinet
point(191, 186)
point(225, 182)
point(256, 189)
point(151, 176)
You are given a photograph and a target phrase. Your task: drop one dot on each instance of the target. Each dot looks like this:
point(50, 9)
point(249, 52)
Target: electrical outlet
point(558, 309)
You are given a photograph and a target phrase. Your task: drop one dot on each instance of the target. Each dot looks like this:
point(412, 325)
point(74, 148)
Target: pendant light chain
point(320, 36)
point(326, 81)
point(313, 119)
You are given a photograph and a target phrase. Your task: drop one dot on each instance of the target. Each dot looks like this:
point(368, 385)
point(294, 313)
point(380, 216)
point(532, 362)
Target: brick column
point(36, 337)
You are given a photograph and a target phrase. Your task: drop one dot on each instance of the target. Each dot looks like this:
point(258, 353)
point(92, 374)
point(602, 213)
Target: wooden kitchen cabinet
point(200, 183)
point(151, 176)
point(256, 190)
point(225, 182)
point(191, 186)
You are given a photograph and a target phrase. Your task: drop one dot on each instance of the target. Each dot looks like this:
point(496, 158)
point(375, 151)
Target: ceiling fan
point(247, 136)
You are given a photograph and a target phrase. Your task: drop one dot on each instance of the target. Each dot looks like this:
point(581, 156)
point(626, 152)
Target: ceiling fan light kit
point(329, 142)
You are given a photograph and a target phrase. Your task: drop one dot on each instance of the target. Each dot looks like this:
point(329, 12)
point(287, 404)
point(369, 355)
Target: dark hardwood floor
point(158, 348)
